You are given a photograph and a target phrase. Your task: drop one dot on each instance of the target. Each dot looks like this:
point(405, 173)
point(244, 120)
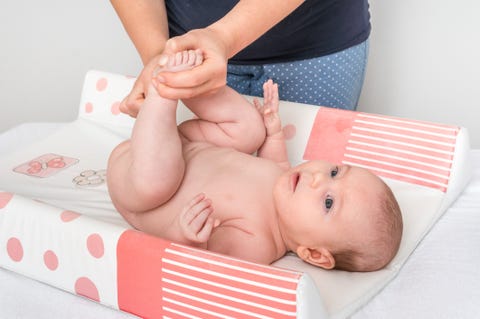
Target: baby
point(198, 184)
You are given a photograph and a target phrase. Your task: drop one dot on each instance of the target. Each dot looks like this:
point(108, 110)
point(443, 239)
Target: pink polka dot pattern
point(102, 84)
point(115, 109)
point(85, 287)
point(67, 216)
point(289, 131)
point(15, 249)
point(88, 107)
point(51, 260)
point(5, 199)
point(95, 245)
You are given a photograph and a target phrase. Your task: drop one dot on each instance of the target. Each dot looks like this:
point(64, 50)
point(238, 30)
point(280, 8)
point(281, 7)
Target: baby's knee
point(252, 133)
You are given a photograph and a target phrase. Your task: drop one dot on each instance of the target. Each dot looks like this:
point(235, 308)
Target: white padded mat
point(342, 292)
point(439, 280)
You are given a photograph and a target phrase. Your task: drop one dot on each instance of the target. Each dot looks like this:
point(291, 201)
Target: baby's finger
point(193, 208)
point(204, 234)
point(275, 97)
point(258, 105)
point(267, 91)
point(199, 221)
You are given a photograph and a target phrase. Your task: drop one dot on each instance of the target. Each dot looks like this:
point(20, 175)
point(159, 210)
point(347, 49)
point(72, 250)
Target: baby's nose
point(318, 179)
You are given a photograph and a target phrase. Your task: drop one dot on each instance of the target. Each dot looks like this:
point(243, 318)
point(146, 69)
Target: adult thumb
point(180, 43)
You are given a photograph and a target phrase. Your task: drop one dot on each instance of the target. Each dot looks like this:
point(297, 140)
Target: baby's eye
point(328, 203)
point(334, 172)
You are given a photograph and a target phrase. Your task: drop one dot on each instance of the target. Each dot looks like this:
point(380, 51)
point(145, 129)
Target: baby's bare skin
point(239, 187)
point(224, 199)
point(198, 184)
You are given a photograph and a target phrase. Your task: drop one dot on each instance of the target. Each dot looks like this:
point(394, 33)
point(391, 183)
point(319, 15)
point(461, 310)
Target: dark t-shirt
point(316, 28)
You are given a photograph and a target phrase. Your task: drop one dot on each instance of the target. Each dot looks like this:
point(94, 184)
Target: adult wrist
point(225, 38)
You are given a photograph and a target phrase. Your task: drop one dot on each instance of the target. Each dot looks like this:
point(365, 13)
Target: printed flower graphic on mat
point(90, 178)
point(45, 165)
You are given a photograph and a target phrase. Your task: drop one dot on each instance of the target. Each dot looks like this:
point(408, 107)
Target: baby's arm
point(274, 147)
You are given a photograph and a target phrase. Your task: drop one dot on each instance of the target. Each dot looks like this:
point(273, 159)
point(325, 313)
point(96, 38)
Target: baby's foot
point(180, 61)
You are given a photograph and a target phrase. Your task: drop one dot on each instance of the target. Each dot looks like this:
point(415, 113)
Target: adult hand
point(204, 79)
point(132, 102)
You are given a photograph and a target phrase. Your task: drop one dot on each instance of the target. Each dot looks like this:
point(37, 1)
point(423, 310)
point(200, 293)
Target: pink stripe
point(410, 180)
point(430, 179)
point(258, 298)
point(225, 305)
point(342, 136)
point(264, 269)
point(440, 160)
point(267, 291)
point(385, 139)
point(438, 128)
point(187, 310)
point(285, 279)
point(444, 170)
point(441, 154)
point(444, 138)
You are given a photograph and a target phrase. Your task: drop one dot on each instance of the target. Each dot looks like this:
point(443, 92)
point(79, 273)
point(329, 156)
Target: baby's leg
point(225, 118)
point(146, 171)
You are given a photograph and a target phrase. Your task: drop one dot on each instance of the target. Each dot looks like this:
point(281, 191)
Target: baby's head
point(341, 217)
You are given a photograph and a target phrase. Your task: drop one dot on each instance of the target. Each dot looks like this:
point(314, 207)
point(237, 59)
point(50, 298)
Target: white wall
point(46, 47)
point(424, 59)
point(424, 62)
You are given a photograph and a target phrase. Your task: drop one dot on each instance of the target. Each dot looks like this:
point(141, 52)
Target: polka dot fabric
point(334, 80)
point(101, 99)
point(60, 247)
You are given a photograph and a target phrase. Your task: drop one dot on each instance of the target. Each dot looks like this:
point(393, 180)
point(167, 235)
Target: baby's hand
point(269, 108)
point(196, 223)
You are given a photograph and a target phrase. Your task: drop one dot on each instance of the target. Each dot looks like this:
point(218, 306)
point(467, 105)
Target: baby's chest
point(252, 242)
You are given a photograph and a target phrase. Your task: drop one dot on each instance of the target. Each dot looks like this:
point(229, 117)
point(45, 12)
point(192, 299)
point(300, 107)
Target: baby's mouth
point(295, 180)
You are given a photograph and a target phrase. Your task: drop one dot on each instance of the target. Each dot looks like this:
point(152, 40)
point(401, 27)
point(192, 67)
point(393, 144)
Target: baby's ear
point(320, 257)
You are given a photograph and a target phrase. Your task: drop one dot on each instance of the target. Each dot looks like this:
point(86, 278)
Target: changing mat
point(57, 223)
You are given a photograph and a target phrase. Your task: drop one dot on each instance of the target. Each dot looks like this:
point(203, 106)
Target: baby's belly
point(232, 180)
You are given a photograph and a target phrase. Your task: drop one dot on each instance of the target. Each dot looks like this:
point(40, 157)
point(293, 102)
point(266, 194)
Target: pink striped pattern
point(200, 284)
point(411, 151)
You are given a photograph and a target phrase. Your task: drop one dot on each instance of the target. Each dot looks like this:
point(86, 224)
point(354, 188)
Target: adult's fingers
point(185, 93)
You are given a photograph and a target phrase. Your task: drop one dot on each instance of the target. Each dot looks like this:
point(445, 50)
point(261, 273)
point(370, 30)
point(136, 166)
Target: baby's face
point(319, 203)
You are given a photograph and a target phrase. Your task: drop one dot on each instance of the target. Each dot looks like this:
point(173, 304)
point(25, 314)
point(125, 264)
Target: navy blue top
point(314, 29)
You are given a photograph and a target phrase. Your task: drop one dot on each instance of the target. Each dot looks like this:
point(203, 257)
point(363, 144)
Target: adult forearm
point(250, 19)
point(146, 24)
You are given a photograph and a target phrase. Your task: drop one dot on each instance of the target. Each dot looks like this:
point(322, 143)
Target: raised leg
point(226, 119)
point(145, 171)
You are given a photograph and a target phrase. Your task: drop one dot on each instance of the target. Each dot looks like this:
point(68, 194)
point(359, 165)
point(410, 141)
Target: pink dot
point(115, 108)
point(88, 107)
point(5, 199)
point(67, 216)
point(85, 287)
point(289, 131)
point(95, 245)
point(15, 249)
point(50, 259)
point(102, 84)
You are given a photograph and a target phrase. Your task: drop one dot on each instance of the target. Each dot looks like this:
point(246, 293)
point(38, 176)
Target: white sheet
point(440, 279)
